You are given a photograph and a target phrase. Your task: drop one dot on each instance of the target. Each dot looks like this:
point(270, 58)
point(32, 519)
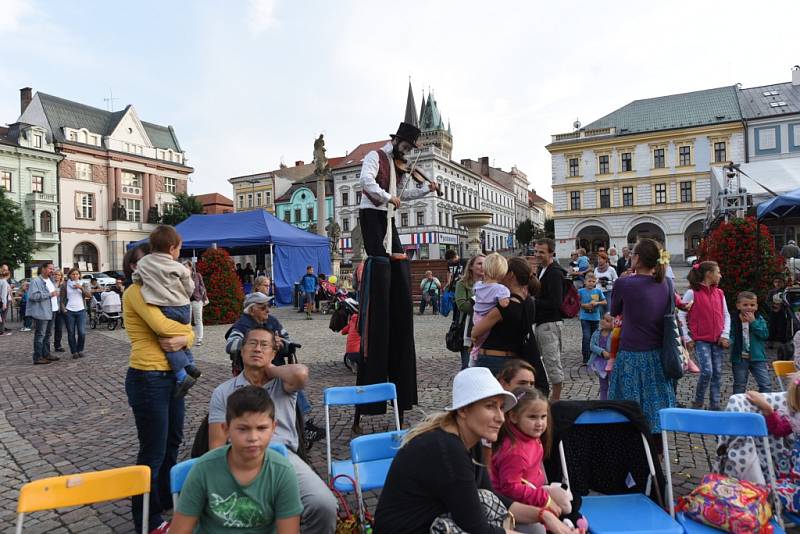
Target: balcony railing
point(583, 134)
point(40, 197)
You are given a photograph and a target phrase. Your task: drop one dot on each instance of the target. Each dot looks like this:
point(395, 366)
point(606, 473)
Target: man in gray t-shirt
point(282, 383)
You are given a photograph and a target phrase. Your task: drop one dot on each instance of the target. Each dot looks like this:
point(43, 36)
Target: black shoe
point(312, 432)
point(41, 361)
point(78, 355)
point(60, 349)
point(183, 387)
point(192, 371)
point(52, 358)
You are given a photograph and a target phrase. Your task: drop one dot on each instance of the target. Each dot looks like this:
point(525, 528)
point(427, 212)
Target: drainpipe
point(746, 143)
point(58, 217)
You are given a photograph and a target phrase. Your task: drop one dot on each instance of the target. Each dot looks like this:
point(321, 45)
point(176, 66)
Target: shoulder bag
point(671, 361)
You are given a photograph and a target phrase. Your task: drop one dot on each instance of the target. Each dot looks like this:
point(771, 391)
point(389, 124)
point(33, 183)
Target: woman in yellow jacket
point(150, 387)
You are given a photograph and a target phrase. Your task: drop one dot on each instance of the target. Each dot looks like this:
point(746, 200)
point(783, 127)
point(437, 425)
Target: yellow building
point(644, 170)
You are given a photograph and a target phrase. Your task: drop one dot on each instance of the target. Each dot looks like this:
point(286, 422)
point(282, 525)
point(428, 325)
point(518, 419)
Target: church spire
point(422, 107)
point(411, 107)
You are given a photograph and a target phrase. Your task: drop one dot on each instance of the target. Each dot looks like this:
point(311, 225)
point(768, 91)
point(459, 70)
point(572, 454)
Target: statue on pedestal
point(320, 161)
point(334, 232)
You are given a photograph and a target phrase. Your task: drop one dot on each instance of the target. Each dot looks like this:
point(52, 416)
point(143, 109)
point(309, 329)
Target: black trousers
point(373, 232)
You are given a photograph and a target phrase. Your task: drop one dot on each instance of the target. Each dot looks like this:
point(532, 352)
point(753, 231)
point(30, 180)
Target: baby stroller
point(107, 311)
point(784, 309)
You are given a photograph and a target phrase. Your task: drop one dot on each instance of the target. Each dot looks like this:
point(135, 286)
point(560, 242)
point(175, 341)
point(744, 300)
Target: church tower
point(434, 133)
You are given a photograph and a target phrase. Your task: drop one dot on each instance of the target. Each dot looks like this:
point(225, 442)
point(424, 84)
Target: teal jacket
point(759, 332)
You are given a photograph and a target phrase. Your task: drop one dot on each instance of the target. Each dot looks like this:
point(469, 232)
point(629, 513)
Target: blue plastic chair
point(179, 471)
point(372, 456)
point(618, 514)
point(349, 396)
point(720, 424)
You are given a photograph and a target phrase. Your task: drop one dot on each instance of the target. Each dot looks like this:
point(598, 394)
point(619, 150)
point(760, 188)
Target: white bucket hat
point(477, 383)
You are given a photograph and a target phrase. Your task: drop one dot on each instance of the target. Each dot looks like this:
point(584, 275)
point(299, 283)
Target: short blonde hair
point(495, 266)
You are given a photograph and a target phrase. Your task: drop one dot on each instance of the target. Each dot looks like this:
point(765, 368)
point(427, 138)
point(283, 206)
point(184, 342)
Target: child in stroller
point(107, 310)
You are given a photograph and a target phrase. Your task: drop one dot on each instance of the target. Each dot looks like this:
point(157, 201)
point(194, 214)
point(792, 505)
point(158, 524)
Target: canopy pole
point(271, 263)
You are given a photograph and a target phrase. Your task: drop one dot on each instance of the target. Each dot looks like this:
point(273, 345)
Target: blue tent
point(292, 249)
point(785, 205)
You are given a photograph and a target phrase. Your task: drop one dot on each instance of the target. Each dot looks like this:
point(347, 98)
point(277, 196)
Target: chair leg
point(668, 473)
point(20, 519)
point(146, 513)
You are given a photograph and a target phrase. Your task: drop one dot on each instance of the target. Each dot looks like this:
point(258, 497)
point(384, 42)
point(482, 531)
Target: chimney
point(484, 166)
point(25, 97)
point(796, 75)
point(299, 163)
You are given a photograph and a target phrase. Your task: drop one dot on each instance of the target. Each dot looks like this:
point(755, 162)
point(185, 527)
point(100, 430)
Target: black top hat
point(407, 132)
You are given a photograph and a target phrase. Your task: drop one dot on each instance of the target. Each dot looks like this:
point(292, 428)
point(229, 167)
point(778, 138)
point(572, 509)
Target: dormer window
point(73, 136)
point(37, 140)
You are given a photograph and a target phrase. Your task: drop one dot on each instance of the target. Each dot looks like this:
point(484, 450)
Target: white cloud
point(261, 15)
point(13, 12)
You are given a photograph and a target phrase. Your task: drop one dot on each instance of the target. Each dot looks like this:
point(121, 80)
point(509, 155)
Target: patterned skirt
point(638, 376)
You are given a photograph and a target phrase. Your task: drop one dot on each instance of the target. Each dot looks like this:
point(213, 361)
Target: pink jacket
point(513, 462)
point(353, 337)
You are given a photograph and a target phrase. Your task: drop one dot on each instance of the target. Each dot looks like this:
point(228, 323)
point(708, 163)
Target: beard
point(397, 153)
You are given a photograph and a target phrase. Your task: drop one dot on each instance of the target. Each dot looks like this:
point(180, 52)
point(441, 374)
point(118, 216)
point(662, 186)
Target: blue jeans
point(709, 358)
point(465, 357)
point(76, 330)
point(760, 372)
point(159, 427)
point(41, 338)
point(59, 322)
point(588, 328)
point(182, 314)
point(494, 363)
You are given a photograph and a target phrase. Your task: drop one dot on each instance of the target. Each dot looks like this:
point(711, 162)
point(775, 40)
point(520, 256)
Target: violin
point(402, 166)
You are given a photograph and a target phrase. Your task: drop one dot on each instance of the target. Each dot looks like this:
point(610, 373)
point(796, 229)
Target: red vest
point(382, 178)
point(707, 318)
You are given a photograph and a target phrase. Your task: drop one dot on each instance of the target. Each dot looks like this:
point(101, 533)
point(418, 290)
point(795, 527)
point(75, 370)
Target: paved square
point(73, 416)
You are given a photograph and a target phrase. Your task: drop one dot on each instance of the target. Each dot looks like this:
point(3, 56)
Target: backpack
point(570, 300)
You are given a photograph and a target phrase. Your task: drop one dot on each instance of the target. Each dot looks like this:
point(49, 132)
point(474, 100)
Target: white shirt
point(74, 296)
point(369, 170)
point(50, 288)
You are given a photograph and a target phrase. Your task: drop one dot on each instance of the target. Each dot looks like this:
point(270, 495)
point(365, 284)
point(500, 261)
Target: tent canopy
point(294, 249)
point(786, 205)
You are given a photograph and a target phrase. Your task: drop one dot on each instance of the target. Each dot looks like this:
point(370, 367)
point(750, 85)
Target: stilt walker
point(386, 320)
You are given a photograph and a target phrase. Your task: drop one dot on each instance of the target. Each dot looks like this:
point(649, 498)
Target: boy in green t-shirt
point(242, 487)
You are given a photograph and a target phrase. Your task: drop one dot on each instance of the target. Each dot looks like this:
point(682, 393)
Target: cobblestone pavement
point(72, 416)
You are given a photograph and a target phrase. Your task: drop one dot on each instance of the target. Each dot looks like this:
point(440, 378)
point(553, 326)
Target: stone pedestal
point(336, 261)
point(473, 221)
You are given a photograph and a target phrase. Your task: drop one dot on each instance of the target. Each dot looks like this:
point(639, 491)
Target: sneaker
point(312, 432)
point(60, 349)
point(163, 528)
point(192, 371)
point(183, 387)
point(52, 358)
point(308, 317)
point(23, 329)
point(78, 355)
point(6, 333)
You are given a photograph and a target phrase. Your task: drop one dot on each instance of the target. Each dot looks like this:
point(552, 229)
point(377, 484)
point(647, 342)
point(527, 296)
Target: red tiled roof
point(214, 198)
point(533, 197)
point(357, 156)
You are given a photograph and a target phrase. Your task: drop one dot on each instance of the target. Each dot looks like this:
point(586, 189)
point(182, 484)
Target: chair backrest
point(280, 448)
point(378, 446)
point(715, 423)
point(348, 395)
point(600, 417)
point(784, 367)
point(84, 488)
point(178, 474)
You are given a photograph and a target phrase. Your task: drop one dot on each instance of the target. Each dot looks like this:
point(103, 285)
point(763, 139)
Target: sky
point(248, 84)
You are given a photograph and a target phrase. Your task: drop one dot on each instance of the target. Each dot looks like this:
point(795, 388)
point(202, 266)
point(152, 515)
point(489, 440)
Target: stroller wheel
point(112, 324)
point(93, 323)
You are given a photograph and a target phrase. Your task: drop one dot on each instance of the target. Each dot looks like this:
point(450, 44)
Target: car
point(102, 279)
point(119, 275)
point(691, 260)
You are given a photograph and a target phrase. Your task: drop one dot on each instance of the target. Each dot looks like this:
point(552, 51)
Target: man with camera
point(430, 286)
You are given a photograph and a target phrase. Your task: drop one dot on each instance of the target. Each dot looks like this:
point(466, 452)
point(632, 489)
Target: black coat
point(623, 265)
point(551, 294)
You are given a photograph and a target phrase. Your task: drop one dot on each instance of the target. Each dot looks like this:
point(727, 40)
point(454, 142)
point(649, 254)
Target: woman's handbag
point(347, 522)
point(671, 361)
point(454, 339)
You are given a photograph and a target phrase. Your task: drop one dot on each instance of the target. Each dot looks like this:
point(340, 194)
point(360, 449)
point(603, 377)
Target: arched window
point(84, 257)
point(46, 222)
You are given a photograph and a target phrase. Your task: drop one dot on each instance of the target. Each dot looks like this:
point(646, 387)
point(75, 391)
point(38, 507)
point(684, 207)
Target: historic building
point(215, 204)
point(427, 226)
point(28, 174)
point(117, 175)
point(298, 205)
point(644, 171)
point(498, 198)
point(543, 205)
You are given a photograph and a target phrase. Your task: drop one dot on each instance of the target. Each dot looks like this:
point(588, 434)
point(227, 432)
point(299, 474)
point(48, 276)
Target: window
point(720, 155)
point(297, 215)
point(574, 200)
point(5, 180)
point(133, 209)
point(685, 155)
point(661, 193)
point(73, 136)
point(441, 219)
point(131, 179)
point(658, 158)
point(83, 171)
point(603, 164)
point(627, 164)
point(170, 185)
point(605, 198)
point(37, 184)
point(627, 196)
point(268, 198)
point(778, 104)
point(287, 216)
point(37, 143)
point(310, 214)
point(358, 197)
point(345, 199)
point(45, 222)
point(258, 198)
point(240, 200)
point(168, 207)
point(249, 200)
point(404, 219)
point(346, 224)
point(686, 191)
point(574, 168)
point(420, 218)
point(84, 206)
